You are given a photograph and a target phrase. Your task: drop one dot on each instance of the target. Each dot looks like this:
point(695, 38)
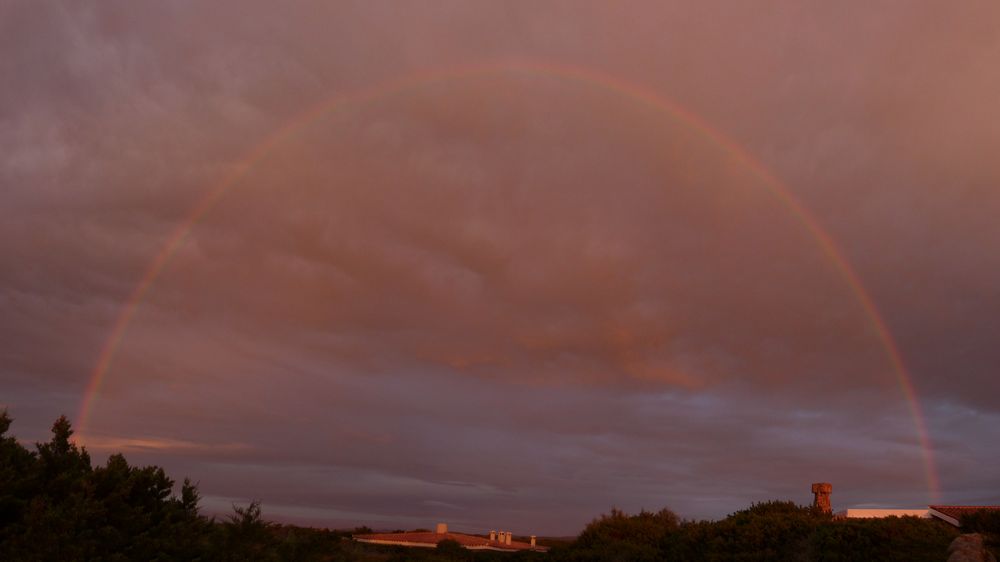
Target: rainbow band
point(579, 75)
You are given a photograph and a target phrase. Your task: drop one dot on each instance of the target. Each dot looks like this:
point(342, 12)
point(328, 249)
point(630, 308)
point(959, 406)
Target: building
point(864, 513)
point(953, 513)
point(500, 541)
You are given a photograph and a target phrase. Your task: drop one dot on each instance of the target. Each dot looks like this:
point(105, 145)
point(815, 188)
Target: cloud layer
point(510, 298)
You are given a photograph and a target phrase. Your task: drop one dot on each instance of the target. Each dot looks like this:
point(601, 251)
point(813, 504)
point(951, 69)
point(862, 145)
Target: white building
point(876, 513)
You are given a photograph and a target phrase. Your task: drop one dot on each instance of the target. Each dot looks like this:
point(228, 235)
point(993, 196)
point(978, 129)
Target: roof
point(954, 513)
point(430, 539)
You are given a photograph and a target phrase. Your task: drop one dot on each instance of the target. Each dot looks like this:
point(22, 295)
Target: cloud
point(512, 296)
point(169, 446)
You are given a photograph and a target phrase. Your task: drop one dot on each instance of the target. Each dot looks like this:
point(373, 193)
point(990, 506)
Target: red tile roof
point(428, 539)
point(957, 511)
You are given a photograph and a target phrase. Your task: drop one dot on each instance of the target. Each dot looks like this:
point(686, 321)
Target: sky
point(507, 265)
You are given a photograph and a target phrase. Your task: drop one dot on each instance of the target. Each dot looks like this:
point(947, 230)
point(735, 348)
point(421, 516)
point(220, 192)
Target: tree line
point(55, 505)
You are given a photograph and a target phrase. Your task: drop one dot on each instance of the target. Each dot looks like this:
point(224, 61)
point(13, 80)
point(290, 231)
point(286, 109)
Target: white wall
point(877, 513)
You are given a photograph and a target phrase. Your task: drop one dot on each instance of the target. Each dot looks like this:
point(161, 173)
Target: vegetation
point(617, 536)
point(54, 505)
point(766, 531)
point(988, 524)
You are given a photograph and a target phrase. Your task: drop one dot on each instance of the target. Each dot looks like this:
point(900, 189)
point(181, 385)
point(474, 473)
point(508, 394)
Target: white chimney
point(507, 538)
point(442, 528)
point(532, 541)
point(493, 536)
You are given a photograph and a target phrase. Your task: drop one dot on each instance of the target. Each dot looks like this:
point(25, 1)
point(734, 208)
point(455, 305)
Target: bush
point(619, 536)
point(987, 523)
point(890, 538)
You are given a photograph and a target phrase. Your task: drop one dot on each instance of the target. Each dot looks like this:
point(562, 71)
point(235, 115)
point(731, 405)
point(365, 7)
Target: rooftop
point(431, 539)
point(953, 513)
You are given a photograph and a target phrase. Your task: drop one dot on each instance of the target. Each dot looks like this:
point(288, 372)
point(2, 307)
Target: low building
point(501, 541)
point(951, 514)
point(876, 513)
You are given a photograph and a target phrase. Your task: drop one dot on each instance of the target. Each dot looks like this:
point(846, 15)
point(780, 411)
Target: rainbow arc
point(630, 91)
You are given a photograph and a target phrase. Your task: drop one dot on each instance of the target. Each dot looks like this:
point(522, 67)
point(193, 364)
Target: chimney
point(821, 491)
point(442, 528)
point(532, 541)
point(493, 536)
point(507, 538)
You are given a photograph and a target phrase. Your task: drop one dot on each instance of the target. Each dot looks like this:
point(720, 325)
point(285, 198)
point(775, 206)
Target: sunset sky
point(508, 264)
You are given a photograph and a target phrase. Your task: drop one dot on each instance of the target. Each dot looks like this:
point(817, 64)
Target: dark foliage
point(985, 521)
point(891, 538)
point(618, 536)
point(988, 524)
point(450, 549)
point(54, 505)
point(766, 531)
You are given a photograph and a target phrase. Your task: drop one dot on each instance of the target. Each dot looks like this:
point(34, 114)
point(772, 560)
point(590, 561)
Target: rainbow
point(580, 75)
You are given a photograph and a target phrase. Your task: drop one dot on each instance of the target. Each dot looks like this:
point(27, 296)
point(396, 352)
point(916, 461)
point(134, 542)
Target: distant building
point(855, 513)
point(953, 513)
point(501, 541)
point(821, 501)
point(821, 496)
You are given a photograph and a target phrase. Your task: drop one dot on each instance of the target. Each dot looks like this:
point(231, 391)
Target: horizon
point(221, 507)
point(512, 263)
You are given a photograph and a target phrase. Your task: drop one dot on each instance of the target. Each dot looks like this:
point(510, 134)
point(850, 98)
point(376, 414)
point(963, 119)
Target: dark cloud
point(505, 298)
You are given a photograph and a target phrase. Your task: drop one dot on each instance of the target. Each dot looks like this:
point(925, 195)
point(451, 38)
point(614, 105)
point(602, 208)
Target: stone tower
point(822, 492)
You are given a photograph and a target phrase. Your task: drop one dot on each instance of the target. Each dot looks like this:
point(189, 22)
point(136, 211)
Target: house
point(501, 541)
point(953, 513)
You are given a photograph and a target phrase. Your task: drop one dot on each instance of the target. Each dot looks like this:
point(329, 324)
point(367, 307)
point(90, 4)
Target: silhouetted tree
point(56, 506)
point(16, 476)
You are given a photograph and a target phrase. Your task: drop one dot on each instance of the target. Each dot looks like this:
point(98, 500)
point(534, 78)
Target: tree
point(246, 536)
point(55, 506)
point(16, 476)
point(190, 497)
point(62, 464)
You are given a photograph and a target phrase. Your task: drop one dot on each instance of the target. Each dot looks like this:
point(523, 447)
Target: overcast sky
point(510, 298)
